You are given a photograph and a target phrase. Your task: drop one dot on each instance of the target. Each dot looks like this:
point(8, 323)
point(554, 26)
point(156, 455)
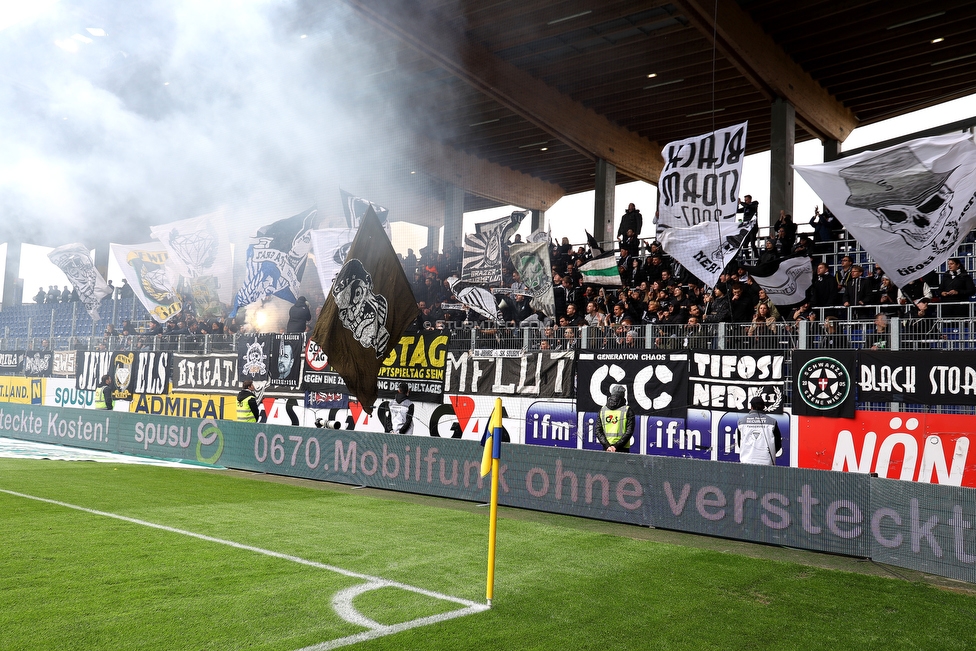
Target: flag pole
point(496, 434)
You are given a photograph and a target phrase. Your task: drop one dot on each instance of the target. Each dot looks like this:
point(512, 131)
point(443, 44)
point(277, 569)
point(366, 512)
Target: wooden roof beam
point(591, 134)
point(768, 67)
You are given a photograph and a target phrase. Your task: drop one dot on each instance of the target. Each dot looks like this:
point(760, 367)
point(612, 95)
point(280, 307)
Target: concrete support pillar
point(101, 258)
point(603, 210)
point(13, 285)
point(432, 238)
point(831, 150)
point(781, 140)
point(538, 219)
point(453, 216)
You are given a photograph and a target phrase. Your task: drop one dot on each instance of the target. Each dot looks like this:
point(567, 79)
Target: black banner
point(90, 367)
point(285, 368)
point(152, 373)
point(419, 360)
point(38, 363)
point(317, 374)
point(823, 383)
point(728, 381)
point(929, 378)
point(657, 383)
point(205, 373)
point(123, 373)
point(542, 375)
point(253, 355)
point(12, 362)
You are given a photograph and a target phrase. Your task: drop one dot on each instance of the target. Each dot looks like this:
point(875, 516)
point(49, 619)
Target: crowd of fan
point(657, 291)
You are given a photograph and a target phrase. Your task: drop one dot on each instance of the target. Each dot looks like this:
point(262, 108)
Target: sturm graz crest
point(823, 383)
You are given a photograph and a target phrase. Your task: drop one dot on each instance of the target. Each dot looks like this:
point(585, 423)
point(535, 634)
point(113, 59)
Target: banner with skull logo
point(253, 357)
point(909, 205)
point(367, 309)
point(76, 263)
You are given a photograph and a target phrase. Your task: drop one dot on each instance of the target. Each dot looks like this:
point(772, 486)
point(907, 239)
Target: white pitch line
point(342, 602)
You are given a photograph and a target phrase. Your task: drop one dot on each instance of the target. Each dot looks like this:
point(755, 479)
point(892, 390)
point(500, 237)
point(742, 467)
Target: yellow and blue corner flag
point(491, 440)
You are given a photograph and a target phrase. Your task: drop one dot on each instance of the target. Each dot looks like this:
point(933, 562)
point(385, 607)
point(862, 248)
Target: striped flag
point(602, 270)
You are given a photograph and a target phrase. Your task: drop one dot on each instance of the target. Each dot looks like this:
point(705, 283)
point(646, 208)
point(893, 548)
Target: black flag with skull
point(366, 311)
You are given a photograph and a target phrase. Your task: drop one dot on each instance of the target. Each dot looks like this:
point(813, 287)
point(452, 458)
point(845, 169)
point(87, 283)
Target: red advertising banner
point(928, 448)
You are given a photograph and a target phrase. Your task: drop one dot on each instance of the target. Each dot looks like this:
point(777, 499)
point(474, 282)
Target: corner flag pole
point(495, 429)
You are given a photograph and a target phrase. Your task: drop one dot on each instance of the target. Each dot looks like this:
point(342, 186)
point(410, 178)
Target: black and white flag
point(909, 205)
point(76, 263)
point(483, 250)
point(786, 281)
point(356, 207)
point(699, 190)
point(476, 298)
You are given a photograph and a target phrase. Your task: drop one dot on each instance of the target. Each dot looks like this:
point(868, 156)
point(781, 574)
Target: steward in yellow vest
point(615, 427)
point(247, 404)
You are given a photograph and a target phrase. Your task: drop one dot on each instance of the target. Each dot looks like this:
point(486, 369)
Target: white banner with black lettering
point(205, 373)
point(657, 383)
point(728, 381)
point(543, 375)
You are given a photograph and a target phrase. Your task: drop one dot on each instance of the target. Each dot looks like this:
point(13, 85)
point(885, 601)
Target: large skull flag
point(367, 309)
point(909, 205)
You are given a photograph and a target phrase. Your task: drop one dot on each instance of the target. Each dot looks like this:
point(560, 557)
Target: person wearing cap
point(757, 436)
point(615, 427)
point(299, 315)
point(247, 403)
point(401, 411)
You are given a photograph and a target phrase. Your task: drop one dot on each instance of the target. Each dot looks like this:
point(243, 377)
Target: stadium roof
point(545, 88)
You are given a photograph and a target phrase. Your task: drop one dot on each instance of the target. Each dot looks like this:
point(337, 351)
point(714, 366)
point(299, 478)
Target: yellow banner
point(187, 405)
point(22, 390)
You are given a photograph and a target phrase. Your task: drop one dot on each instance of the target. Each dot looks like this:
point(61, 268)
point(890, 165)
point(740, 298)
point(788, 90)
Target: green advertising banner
point(909, 524)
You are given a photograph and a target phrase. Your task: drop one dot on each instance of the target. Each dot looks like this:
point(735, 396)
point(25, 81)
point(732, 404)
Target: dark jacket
point(298, 316)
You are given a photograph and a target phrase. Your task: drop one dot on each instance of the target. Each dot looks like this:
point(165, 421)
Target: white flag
point(909, 205)
point(330, 246)
point(76, 263)
point(200, 251)
point(699, 188)
point(786, 281)
point(145, 267)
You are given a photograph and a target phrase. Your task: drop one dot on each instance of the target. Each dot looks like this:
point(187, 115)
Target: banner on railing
point(729, 381)
point(929, 378)
point(212, 373)
point(253, 357)
point(823, 383)
point(12, 362)
point(285, 365)
point(38, 363)
point(657, 383)
point(317, 375)
point(64, 363)
point(419, 360)
point(536, 375)
point(91, 367)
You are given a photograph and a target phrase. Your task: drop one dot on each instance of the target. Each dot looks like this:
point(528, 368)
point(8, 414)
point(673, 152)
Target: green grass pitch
point(234, 562)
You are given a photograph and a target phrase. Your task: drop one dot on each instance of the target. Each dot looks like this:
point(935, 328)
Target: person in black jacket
point(632, 220)
point(298, 316)
point(956, 287)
